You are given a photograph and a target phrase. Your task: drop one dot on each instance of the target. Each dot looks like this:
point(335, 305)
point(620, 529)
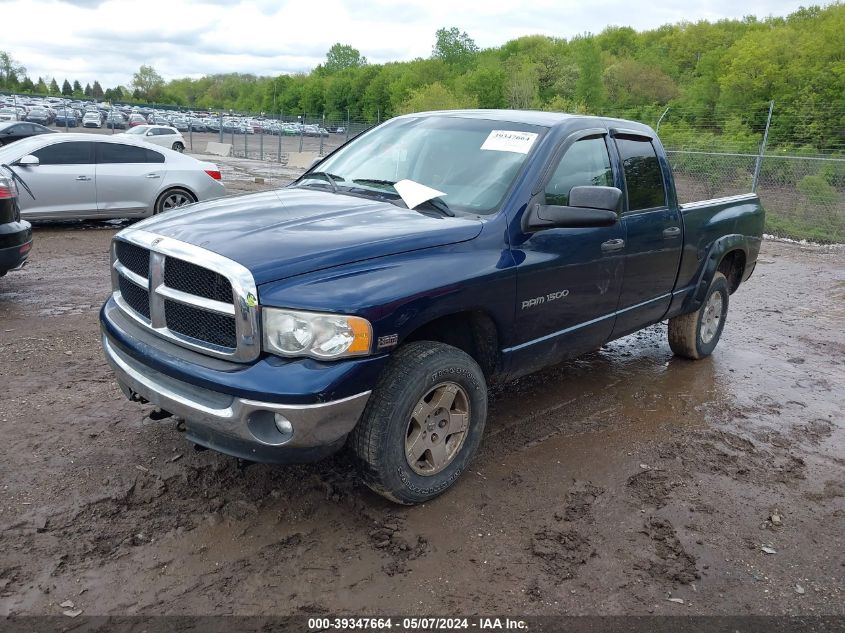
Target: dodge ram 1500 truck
point(371, 302)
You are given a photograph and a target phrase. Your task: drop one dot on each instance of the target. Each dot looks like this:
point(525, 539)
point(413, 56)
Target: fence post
point(246, 136)
point(660, 120)
point(191, 134)
point(221, 126)
point(261, 142)
point(347, 124)
point(301, 135)
point(759, 163)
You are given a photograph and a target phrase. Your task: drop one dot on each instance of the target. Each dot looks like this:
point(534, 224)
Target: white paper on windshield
point(414, 194)
point(509, 141)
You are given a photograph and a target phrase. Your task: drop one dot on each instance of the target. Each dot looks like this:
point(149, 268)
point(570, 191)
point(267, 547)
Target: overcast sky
point(108, 40)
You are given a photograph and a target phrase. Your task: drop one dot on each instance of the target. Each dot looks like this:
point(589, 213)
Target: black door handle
point(612, 245)
point(672, 231)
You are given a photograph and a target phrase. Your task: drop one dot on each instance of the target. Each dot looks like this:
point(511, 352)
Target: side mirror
point(29, 161)
point(606, 198)
point(589, 207)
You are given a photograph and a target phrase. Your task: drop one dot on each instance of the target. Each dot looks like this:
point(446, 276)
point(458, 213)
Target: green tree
point(54, 87)
point(88, 92)
point(97, 90)
point(589, 89)
point(341, 57)
point(435, 96)
point(11, 71)
point(454, 47)
point(67, 90)
point(40, 87)
point(77, 87)
point(147, 83)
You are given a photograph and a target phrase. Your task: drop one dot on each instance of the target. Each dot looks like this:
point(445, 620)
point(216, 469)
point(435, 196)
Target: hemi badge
point(387, 341)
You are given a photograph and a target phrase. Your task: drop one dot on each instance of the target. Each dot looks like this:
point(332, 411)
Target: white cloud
point(108, 40)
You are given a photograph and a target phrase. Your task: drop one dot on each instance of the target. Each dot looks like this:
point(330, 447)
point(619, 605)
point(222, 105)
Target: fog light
point(283, 424)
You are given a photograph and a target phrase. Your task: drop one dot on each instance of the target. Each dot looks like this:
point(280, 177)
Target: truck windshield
point(472, 161)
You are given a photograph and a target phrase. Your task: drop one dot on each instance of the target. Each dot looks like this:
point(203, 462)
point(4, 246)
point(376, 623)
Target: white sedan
point(74, 176)
point(162, 135)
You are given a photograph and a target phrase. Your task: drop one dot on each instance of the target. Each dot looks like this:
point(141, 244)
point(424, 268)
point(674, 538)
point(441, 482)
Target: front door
point(568, 280)
point(63, 183)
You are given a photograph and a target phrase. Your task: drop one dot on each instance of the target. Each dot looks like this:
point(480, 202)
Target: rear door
point(569, 279)
point(63, 182)
point(129, 178)
point(654, 235)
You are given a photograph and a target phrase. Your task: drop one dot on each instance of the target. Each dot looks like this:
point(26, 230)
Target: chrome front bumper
point(233, 425)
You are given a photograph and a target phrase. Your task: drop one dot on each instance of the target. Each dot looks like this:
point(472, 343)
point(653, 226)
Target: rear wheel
point(423, 423)
point(179, 147)
point(695, 335)
point(173, 199)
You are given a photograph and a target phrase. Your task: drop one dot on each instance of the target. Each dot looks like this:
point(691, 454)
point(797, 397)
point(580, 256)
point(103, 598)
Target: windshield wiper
point(373, 181)
point(437, 203)
point(440, 205)
point(330, 178)
point(19, 179)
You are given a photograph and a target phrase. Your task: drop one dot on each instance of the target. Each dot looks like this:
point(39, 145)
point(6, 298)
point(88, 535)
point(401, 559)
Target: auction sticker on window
point(509, 141)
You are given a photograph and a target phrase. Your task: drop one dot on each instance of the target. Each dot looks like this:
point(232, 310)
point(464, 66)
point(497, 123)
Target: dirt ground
point(607, 485)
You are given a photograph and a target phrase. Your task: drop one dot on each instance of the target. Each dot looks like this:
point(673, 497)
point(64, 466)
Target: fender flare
point(710, 265)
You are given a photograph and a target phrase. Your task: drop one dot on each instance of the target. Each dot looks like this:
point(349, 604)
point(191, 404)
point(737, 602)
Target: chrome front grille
point(184, 293)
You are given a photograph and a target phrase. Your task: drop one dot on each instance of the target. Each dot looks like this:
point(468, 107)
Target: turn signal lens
point(214, 174)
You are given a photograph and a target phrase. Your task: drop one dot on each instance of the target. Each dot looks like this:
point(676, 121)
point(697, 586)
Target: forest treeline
point(717, 78)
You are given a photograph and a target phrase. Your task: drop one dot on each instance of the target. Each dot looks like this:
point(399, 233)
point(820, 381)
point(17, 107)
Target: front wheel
point(696, 334)
point(179, 147)
point(423, 423)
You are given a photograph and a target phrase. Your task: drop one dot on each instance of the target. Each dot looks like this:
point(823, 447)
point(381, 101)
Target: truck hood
point(279, 234)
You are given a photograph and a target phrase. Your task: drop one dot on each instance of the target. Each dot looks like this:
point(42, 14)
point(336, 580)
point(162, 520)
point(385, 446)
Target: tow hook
point(159, 414)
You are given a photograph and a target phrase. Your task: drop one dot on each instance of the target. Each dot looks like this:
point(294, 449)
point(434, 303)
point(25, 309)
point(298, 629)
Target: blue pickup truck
point(372, 302)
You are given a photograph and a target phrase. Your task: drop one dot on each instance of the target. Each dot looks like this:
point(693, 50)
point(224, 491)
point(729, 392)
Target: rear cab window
point(643, 175)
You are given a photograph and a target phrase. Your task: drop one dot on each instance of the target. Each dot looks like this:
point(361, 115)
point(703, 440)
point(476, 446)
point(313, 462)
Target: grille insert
point(135, 258)
point(136, 297)
point(210, 327)
point(196, 280)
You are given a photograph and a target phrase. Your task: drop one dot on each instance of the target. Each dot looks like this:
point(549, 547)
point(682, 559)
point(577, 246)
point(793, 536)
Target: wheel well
point(732, 267)
point(171, 190)
point(473, 332)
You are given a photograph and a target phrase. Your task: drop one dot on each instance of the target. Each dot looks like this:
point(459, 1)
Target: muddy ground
point(607, 485)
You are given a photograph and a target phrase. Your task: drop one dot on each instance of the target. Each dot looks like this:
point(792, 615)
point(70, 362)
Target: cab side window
point(643, 177)
point(586, 163)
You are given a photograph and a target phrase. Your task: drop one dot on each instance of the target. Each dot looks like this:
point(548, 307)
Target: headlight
point(323, 336)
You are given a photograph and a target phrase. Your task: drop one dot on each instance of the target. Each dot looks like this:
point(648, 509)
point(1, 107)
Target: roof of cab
point(536, 117)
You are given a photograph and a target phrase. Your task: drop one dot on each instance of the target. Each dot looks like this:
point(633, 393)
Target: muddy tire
point(423, 423)
point(178, 147)
point(695, 335)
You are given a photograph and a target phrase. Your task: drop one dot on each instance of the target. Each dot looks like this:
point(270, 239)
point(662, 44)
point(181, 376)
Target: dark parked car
point(15, 234)
point(115, 120)
point(67, 118)
point(11, 131)
point(38, 115)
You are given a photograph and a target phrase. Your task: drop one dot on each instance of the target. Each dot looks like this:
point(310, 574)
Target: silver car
point(74, 176)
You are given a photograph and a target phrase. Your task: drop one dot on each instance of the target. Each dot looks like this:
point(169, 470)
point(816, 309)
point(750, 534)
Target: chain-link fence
point(804, 196)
